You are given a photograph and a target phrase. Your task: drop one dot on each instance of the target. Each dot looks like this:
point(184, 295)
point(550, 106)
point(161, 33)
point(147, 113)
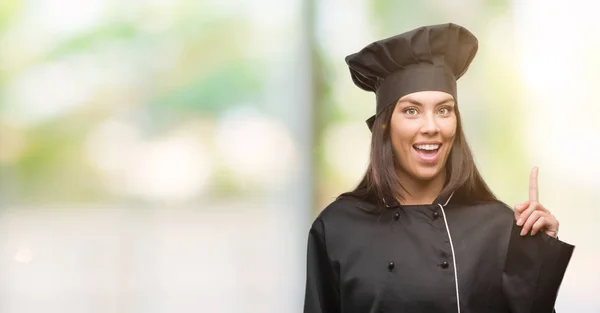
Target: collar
point(443, 200)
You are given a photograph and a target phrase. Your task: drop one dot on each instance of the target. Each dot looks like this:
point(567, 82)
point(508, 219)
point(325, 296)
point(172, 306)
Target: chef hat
point(426, 58)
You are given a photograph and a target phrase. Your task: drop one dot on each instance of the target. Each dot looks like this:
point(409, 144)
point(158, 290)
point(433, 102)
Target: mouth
point(427, 152)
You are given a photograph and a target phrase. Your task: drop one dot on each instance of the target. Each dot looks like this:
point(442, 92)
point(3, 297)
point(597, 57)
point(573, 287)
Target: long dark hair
point(381, 180)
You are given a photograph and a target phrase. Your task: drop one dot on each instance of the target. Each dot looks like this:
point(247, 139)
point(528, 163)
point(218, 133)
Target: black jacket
point(403, 260)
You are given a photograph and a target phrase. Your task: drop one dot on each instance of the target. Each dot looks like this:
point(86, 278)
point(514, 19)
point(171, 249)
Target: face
point(422, 132)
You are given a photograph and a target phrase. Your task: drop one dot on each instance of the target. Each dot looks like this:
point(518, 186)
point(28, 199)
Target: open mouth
point(427, 152)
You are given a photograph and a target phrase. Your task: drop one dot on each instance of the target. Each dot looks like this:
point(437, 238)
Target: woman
point(422, 232)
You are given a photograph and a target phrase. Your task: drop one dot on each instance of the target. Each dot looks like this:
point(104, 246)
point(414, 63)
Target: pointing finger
point(533, 184)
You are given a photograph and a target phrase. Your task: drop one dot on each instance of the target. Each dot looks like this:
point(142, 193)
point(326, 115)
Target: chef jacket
point(441, 257)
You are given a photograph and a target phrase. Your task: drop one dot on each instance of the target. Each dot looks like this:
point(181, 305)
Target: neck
point(420, 191)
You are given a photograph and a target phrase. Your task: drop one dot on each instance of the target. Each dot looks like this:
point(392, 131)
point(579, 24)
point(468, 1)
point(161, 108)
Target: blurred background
point(170, 155)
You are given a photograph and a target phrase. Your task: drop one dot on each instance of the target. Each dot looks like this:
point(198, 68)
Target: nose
point(430, 125)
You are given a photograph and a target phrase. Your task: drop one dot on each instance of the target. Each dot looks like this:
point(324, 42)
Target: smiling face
point(422, 131)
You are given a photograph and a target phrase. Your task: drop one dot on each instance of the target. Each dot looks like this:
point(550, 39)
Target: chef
point(422, 231)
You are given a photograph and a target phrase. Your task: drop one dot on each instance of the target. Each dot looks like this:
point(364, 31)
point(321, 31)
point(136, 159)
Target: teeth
point(427, 147)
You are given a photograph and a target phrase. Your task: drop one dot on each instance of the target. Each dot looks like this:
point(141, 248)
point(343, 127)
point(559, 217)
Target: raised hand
point(532, 215)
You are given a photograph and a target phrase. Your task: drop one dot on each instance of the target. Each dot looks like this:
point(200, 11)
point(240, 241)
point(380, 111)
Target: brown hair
point(381, 181)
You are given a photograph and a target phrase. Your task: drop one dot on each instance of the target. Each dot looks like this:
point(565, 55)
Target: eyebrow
point(415, 102)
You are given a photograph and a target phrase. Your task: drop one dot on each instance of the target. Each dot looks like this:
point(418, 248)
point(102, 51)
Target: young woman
point(422, 232)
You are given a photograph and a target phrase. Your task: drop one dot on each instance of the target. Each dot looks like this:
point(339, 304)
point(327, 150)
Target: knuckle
point(530, 222)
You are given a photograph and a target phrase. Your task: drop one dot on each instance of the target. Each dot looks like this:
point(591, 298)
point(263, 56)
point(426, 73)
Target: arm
point(322, 292)
point(533, 271)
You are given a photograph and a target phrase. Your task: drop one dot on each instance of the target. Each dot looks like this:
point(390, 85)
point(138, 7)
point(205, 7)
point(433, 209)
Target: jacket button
point(391, 266)
point(436, 214)
point(444, 264)
point(396, 216)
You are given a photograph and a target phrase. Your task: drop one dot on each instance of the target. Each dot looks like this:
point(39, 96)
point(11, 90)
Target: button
point(444, 264)
point(396, 216)
point(391, 266)
point(436, 214)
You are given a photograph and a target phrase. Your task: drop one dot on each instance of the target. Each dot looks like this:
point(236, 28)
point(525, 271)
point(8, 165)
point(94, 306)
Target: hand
point(532, 215)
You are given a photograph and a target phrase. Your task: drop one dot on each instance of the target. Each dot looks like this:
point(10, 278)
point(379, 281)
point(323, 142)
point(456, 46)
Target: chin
point(427, 174)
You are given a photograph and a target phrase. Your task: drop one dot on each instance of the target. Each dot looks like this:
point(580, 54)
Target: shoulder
point(489, 211)
point(342, 206)
point(341, 213)
point(497, 207)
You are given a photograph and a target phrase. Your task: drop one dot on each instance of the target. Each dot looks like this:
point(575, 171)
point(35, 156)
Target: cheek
point(449, 129)
point(402, 136)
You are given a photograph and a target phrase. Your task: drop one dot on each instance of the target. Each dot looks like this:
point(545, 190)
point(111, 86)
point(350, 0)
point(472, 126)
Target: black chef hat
point(426, 58)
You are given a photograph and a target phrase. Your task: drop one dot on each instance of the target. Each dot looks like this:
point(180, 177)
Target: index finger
point(533, 184)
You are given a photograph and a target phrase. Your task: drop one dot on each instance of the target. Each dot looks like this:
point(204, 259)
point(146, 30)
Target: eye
point(444, 111)
point(410, 111)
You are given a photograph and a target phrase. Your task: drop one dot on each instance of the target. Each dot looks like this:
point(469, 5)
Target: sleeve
point(322, 285)
point(533, 271)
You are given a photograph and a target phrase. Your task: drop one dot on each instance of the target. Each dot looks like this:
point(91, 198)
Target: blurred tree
point(210, 70)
